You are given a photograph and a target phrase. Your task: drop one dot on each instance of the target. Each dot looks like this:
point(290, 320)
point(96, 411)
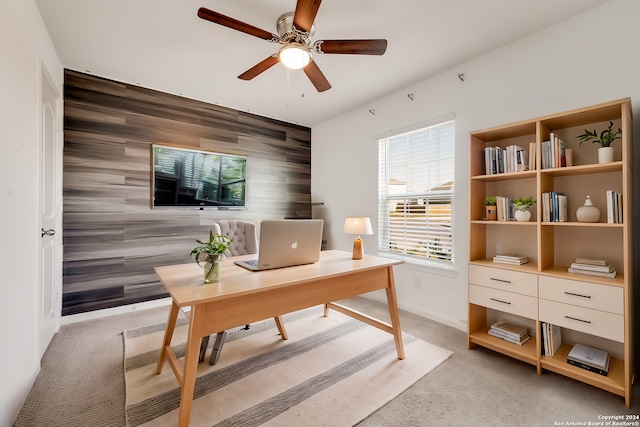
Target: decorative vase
point(212, 269)
point(605, 154)
point(588, 212)
point(522, 215)
point(491, 212)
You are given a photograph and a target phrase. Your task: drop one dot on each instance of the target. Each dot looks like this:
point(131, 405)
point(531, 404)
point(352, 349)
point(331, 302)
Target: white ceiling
point(163, 45)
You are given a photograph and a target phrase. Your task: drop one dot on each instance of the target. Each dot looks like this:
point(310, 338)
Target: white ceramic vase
point(605, 154)
point(522, 216)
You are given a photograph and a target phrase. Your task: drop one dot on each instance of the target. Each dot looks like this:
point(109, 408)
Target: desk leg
point(191, 364)
point(392, 302)
point(168, 334)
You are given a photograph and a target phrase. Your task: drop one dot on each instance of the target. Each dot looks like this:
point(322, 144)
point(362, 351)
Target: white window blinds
point(415, 193)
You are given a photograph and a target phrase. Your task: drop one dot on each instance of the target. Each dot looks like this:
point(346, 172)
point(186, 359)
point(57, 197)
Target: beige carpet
point(331, 371)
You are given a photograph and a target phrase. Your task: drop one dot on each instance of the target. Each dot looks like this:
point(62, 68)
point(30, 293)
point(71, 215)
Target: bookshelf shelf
point(583, 169)
point(613, 382)
point(526, 352)
point(552, 247)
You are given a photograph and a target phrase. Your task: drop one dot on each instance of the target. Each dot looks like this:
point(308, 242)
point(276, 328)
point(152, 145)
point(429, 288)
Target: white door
point(50, 265)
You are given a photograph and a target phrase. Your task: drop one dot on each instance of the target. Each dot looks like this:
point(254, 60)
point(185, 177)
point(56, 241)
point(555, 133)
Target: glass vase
point(212, 269)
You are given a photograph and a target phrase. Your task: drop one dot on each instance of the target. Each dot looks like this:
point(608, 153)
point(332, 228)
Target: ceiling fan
point(295, 30)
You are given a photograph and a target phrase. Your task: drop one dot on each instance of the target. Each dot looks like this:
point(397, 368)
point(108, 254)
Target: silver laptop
point(285, 243)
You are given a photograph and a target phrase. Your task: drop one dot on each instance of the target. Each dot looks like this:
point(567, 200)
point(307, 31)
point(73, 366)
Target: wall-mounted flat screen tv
point(194, 178)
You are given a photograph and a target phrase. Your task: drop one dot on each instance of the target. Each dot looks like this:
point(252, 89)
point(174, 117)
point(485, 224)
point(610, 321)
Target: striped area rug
point(332, 371)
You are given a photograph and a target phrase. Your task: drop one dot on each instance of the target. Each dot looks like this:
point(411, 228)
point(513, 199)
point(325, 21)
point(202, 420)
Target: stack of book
point(614, 207)
point(588, 358)
point(505, 160)
point(511, 259)
point(505, 208)
point(554, 207)
point(508, 332)
point(551, 339)
point(593, 267)
point(554, 153)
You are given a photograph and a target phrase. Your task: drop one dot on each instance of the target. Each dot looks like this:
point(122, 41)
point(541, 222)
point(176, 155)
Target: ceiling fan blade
point(259, 68)
point(317, 78)
point(305, 14)
point(353, 47)
point(234, 24)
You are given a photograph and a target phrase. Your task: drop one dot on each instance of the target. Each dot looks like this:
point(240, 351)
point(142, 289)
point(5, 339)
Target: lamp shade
point(358, 226)
point(294, 56)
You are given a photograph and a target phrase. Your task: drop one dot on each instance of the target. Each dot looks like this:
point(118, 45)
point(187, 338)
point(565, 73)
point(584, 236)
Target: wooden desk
point(243, 297)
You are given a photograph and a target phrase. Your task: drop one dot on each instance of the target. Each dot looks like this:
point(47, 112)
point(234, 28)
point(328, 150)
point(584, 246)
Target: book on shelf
point(588, 367)
point(610, 275)
point(511, 257)
point(505, 160)
point(554, 207)
point(588, 357)
point(511, 262)
point(614, 207)
point(532, 156)
point(518, 341)
point(592, 261)
point(511, 330)
point(607, 268)
point(505, 208)
point(553, 152)
point(551, 338)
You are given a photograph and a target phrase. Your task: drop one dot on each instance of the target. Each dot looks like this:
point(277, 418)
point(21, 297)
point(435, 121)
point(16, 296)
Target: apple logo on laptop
point(294, 245)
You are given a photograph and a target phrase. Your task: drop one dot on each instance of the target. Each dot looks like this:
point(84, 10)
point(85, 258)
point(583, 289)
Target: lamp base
point(358, 250)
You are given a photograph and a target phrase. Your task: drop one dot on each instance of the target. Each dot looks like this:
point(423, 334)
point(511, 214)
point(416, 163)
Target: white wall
point(24, 47)
point(585, 60)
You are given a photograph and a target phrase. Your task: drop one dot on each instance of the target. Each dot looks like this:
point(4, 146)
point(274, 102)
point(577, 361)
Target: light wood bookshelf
point(552, 246)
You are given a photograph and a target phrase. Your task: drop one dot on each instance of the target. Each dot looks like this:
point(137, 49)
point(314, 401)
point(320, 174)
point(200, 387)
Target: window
point(415, 194)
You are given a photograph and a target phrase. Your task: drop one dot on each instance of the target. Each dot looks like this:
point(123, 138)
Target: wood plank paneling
point(112, 237)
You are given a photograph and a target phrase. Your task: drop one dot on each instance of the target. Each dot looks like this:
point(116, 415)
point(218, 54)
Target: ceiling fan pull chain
point(288, 86)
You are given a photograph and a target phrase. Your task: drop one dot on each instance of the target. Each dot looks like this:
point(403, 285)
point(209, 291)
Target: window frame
point(447, 267)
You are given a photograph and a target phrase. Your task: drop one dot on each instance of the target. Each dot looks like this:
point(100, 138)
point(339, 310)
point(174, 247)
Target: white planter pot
point(522, 216)
point(605, 154)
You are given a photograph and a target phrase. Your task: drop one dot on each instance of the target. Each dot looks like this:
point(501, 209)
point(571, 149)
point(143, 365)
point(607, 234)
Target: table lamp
point(357, 226)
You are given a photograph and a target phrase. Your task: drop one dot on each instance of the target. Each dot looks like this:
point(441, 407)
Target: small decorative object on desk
point(593, 267)
point(522, 205)
point(588, 212)
point(210, 253)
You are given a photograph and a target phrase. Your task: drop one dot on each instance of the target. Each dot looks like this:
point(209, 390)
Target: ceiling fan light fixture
point(294, 56)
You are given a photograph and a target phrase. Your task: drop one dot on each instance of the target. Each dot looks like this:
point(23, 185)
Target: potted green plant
point(522, 205)
point(210, 253)
point(604, 139)
point(490, 208)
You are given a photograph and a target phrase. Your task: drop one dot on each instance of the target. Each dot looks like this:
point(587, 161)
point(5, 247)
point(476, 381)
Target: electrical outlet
point(418, 283)
point(498, 249)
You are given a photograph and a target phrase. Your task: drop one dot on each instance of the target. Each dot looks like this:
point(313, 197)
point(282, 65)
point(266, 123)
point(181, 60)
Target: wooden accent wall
point(112, 237)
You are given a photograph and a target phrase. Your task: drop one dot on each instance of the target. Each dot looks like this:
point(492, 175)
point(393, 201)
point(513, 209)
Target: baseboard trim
point(114, 311)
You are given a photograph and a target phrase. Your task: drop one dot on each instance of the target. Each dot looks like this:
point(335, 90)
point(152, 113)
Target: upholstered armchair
point(243, 242)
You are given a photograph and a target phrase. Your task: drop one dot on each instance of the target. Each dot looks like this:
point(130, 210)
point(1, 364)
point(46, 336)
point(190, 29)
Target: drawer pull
point(577, 295)
point(579, 320)
point(500, 280)
point(500, 301)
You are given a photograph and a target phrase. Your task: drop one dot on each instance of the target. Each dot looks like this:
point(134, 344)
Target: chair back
point(242, 233)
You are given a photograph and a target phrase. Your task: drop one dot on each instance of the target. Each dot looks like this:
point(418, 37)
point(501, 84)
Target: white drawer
point(583, 294)
point(509, 302)
point(507, 280)
point(594, 322)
